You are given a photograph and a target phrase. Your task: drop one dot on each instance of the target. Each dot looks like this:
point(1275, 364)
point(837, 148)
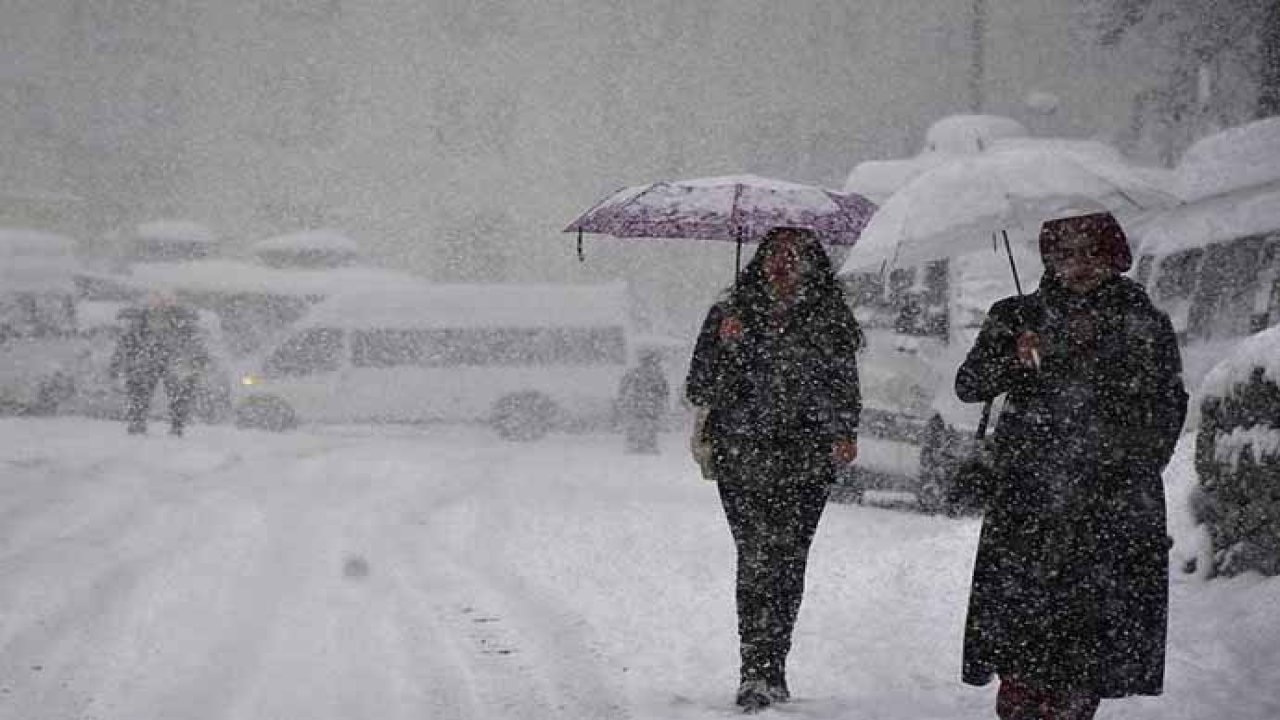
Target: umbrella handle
point(737, 258)
point(581, 258)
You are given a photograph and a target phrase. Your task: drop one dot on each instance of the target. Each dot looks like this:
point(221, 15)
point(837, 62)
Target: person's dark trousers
point(139, 387)
point(180, 391)
point(1017, 700)
point(773, 527)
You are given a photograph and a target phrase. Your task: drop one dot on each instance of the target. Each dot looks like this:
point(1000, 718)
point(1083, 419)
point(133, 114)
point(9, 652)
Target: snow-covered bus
point(527, 359)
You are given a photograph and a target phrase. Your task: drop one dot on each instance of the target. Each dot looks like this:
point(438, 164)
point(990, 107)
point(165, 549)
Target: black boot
point(776, 683)
point(753, 696)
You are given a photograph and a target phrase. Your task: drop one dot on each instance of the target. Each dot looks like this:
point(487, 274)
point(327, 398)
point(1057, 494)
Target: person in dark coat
point(642, 399)
point(1069, 601)
point(160, 343)
point(775, 371)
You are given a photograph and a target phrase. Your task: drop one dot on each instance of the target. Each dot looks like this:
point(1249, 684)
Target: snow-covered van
point(39, 348)
point(525, 358)
point(1213, 263)
point(919, 322)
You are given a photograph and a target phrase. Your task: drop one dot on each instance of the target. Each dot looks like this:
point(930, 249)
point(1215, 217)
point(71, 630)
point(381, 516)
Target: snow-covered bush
point(1238, 458)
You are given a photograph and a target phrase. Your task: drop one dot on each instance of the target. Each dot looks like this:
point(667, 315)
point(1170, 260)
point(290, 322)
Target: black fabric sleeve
point(700, 384)
point(1169, 395)
point(991, 368)
point(846, 388)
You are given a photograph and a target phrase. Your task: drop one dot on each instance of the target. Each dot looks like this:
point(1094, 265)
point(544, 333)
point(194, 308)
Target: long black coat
point(788, 386)
point(1070, 586)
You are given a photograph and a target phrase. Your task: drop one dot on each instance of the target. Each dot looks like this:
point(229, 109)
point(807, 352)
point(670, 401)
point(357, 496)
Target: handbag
point(977, 478)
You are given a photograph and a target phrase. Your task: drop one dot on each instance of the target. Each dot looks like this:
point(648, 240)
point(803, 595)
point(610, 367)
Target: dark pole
point(1012, 265)
point(977, 66)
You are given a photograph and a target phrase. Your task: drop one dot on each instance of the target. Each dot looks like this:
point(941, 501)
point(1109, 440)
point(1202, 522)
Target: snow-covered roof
point(233, 276)
point(36, 261)
point(322, 240)
point(1262, 349)
point(876, 180)
point(1213, 220)
point(467, 305)
point(1233, 159)
point(970, 133)
point(176, 231)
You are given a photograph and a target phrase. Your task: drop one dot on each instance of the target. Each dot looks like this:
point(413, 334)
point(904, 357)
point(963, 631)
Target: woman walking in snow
point(1069, 601)
point(775, 370)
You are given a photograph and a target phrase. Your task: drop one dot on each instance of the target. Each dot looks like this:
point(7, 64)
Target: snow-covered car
point(39, 347)
point(1238, 458)
point(100, 395)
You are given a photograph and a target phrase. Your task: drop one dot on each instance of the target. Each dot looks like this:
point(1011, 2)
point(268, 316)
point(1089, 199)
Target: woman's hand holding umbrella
point(845, 450)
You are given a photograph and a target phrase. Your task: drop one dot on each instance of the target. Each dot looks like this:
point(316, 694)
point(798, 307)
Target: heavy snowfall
point(346, 572)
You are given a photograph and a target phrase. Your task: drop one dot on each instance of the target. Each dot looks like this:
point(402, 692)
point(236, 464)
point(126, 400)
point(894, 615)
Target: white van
point(920, 322)
point(39, 348)
point(1213, 263)
point(525, 358)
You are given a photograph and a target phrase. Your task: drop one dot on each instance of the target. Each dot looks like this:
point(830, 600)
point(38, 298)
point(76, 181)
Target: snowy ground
point(351, 573)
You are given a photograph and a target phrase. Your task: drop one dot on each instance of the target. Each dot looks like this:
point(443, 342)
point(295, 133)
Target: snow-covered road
point(350, 573)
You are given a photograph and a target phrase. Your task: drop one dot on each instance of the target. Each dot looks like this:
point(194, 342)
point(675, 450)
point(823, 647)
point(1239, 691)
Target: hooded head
point(1110, 242)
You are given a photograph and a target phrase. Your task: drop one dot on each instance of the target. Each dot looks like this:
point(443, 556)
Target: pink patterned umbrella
point(739, 208)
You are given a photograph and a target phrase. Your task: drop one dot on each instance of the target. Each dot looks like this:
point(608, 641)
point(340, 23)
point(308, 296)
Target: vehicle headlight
point(248, 380)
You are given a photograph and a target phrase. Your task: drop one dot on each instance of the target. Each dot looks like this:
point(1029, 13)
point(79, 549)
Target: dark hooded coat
point(159, 340)
point(1070, 585)
point(788, 383)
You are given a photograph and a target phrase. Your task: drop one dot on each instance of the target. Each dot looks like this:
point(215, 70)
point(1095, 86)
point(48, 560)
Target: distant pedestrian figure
point(642, 401)
point(1069, 601)
point(775, 372)
point(160, 343)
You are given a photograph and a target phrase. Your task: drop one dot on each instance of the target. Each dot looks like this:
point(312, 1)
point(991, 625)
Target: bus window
point(1223, 304)
point(386, 348)
point(1177, 277)
point(1144, 269)
point(310, 351)
point(1266, 306)
point(523, 346)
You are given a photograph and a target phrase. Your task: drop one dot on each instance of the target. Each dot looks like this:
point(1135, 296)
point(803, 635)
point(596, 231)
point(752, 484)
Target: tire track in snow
point(529, 658)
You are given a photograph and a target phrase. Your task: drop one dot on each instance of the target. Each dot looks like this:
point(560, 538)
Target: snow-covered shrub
point(1238, 458)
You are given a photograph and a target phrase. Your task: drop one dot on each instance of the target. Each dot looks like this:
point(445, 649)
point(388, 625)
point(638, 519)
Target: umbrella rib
point(637, 196)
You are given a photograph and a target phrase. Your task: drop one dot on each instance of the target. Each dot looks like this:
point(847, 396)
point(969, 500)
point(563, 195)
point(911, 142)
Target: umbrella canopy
point(956, 208)
point(738, 208)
